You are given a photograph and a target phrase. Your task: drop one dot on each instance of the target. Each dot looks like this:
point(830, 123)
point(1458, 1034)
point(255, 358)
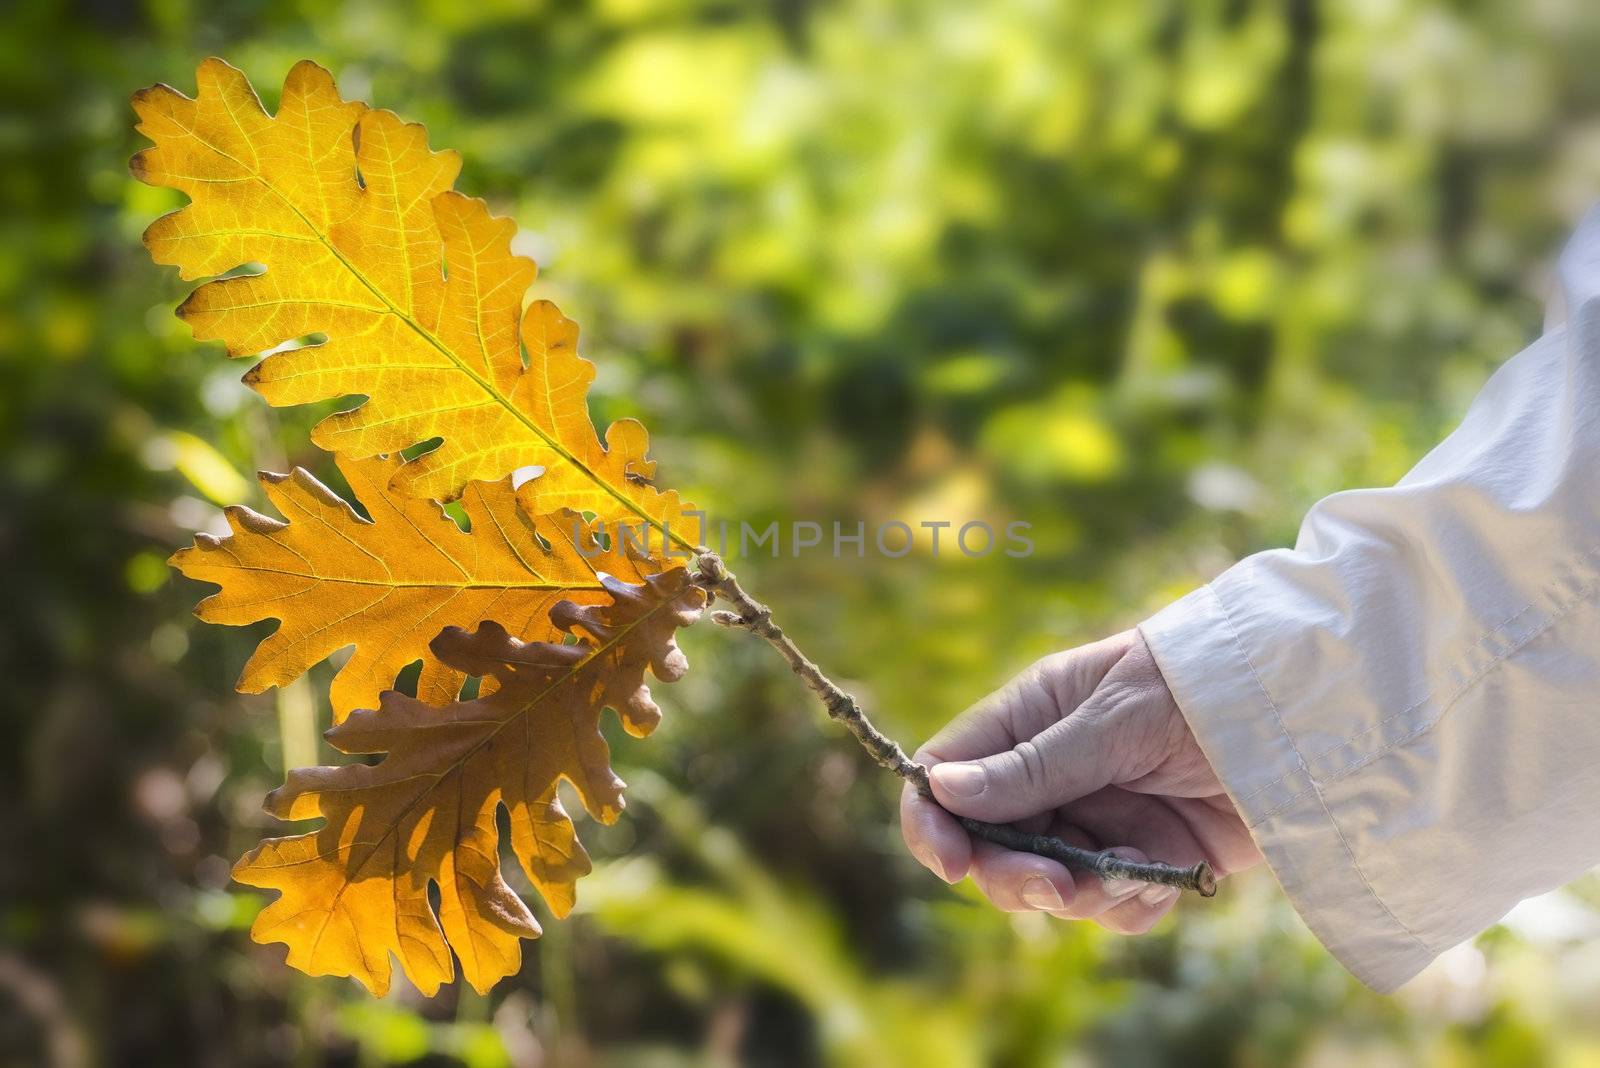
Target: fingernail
point(960, 780)
point(1040, 893)
point(1157, 895)
point(931, 862)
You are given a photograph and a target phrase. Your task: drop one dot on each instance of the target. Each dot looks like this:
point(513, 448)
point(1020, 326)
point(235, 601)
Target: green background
point(1151, 276)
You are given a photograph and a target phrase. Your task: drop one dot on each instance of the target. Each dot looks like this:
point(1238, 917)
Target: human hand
point(1089, 746)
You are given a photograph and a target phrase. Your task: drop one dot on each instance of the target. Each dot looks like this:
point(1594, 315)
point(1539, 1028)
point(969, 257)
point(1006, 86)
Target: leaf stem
point(753, 616)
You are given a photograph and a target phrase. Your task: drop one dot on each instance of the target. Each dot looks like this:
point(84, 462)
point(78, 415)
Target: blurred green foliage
point(1152, 276)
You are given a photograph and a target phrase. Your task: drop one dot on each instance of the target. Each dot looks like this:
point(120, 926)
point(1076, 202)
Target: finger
point(1142, 911)
point(1220, 831)
point(1037, 697)
point(1091, 896)
point(1019, 709)
point(933, 836)
point(1060, 764)
point(1095, 895)
point(1147, 825)
point(1143, 821)
point(1021, 882)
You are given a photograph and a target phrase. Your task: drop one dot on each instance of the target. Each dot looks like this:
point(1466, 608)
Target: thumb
point(1058, 765)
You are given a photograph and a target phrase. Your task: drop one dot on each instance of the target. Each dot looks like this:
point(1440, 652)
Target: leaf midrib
point(423, 584)
point(461, 365)
point(456, 766)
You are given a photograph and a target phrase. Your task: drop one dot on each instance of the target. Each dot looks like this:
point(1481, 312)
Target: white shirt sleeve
point(1405, 707)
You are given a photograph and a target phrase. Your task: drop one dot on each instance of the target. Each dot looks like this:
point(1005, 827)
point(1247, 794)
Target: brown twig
point(755, 617)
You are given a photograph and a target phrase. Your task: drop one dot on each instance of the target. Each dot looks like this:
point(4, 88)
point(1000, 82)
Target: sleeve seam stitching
point(1238, 644)
point(1416, 732)
point(1479, 642)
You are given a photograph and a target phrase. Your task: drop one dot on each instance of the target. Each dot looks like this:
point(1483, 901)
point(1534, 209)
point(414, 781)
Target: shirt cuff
point(1242, 734)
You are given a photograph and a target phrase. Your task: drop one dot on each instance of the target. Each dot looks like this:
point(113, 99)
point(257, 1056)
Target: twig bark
point(755, 617)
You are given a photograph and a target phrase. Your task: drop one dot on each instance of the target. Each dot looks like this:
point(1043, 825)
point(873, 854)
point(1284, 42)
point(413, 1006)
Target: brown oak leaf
point(356, 890)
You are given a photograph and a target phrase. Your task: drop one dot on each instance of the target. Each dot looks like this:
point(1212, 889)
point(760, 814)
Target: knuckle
point(1033, 773)
point(1043, 670)
point(1113, 696)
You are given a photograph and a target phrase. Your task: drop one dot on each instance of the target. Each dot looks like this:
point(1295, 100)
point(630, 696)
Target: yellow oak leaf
point(356, 890)
point(387, 586)
point(413, 287)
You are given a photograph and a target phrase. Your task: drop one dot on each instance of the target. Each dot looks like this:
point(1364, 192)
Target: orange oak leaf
point(356, 890)
point(414, 288)
point(387, 586)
